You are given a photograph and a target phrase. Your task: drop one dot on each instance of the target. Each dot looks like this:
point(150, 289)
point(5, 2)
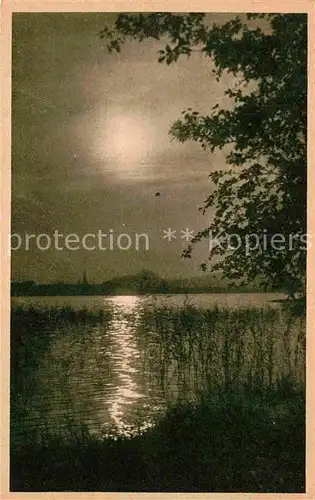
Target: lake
point(129, 302)
point(118, 375)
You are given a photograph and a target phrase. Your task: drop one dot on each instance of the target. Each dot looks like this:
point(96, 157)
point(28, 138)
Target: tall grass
point(50, 316)
point(35, 333)
point(214, 350)
point(234, 383)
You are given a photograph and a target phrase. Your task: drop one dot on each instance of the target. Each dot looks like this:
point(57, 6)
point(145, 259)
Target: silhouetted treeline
point(143, 283)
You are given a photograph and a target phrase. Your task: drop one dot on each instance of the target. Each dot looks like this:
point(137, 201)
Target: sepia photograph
point(158, 252)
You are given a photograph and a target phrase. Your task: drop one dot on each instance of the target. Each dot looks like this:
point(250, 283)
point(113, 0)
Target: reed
point(238, 424)
point(41, 316)
point(224, 349)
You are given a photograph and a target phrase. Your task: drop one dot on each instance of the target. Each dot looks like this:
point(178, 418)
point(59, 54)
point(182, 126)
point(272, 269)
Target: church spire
point(84, 280)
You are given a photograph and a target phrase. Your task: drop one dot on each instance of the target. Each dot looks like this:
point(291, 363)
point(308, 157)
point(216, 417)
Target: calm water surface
point(129, 302)
point(105, 376)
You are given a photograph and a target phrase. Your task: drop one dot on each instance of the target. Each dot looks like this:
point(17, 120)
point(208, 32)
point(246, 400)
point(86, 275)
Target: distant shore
point(143, 283)
point(65, 290)
point(121, 294)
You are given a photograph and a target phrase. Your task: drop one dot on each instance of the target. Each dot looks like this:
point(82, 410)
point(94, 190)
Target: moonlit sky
point(90, 148)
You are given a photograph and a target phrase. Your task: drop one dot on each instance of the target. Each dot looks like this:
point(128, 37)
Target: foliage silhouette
point(263, 131)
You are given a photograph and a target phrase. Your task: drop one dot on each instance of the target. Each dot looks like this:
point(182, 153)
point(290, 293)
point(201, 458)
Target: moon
point(125, 139)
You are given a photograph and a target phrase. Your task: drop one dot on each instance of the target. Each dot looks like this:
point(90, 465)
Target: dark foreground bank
point(227, 443)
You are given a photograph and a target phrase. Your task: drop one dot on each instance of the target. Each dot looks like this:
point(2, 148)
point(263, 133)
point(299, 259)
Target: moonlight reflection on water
point(127, 392)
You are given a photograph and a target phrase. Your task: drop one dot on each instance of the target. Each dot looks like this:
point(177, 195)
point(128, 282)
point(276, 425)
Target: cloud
point(65, 86)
